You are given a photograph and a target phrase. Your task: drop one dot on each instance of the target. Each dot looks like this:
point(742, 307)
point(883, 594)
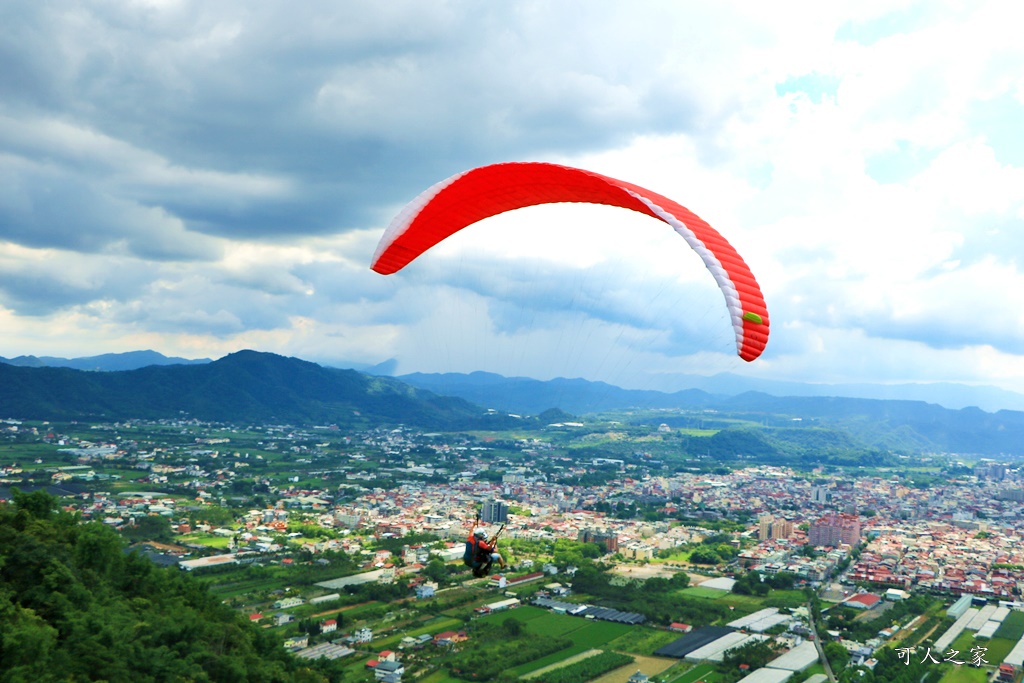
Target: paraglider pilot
point(480, 552)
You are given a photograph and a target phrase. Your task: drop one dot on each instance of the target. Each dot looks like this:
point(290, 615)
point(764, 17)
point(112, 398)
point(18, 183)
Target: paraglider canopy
point(468, 197)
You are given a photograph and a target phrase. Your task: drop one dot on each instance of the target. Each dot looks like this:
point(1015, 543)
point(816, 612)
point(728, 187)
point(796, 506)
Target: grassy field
point(441, 677)
point(704, 672)
point(680, 556)
point(209, 540)
point(965, 674)
point(642, 641)
point(745, 604)
point(998, 648)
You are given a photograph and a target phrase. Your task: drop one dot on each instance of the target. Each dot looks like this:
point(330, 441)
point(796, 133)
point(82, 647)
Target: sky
point(199, 178)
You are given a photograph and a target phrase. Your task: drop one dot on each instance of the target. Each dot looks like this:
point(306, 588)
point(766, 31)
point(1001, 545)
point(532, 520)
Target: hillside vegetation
point(74, 606)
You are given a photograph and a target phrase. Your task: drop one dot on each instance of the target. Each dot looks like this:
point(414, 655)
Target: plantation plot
point(585, 634)
point(646, 665)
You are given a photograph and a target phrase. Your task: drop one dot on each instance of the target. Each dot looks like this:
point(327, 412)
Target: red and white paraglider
point(468, 197)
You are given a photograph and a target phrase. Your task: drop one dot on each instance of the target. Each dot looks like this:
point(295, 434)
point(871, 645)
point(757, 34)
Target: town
point(349, 547)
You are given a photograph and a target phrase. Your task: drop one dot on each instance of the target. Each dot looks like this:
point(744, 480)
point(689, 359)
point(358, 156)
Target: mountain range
point(242, 387)
point(532, 396)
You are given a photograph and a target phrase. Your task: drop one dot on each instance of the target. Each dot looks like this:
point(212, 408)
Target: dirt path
point(340, 609)
point(565, 662)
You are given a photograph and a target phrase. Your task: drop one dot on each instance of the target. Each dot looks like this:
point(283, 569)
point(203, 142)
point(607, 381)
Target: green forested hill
point(243, 387)
point(75, 607)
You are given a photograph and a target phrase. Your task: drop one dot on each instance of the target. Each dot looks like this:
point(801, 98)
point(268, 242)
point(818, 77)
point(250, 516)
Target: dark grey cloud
point(359, 105)
point(64, 280)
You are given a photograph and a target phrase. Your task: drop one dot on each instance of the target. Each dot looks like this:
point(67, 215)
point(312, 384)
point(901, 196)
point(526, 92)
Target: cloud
point(201, 177)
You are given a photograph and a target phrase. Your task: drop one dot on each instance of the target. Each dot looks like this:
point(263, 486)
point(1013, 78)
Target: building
point(782, 528)
point(494, 512)
point(863, 601)
point(609, 538)
point(288, 602)
point(385, 668)
point(511, 603)
point(834, 530)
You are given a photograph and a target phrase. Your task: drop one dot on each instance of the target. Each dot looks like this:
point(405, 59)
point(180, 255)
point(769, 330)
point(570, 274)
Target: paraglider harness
point(478, 559)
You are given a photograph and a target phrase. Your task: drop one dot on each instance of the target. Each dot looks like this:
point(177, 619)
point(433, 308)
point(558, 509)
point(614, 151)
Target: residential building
point(494, 512)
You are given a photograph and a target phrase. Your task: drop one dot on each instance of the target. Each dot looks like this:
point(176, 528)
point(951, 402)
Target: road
point(817, 642)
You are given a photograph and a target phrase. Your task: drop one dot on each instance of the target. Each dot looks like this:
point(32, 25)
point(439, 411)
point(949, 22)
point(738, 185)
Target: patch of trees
point(714, 549)
point(891, 669)
point(838, 656)
point(750, 584)
point(755, 655)
point(585, 670)
point(75, 606)
point(658, 599)
point(149, 528)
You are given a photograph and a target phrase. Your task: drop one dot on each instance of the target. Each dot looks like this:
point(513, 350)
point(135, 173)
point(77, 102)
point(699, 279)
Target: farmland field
point(1012, 627)
point(965, 674)
point(708, 593)
point(585, 634)
point(647, 665)
point(699, 672)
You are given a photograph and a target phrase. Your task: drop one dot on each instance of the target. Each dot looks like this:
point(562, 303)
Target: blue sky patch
point(898, 165)
point(1001, 122)
point(815, 85)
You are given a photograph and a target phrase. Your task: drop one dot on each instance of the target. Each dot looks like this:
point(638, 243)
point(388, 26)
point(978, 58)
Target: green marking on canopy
point(753, 317)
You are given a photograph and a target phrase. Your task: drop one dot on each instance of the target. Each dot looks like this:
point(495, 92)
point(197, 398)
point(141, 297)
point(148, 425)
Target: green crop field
point(1012, 627)
point(585, 634)
point(552, 658)
point(998, 648)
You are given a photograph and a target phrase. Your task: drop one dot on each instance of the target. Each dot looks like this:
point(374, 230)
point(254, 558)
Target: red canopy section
point(468, 197)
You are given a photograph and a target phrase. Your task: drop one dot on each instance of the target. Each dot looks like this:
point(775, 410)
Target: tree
point(149, 528)
point(512, 627)
point(837, 655)
point(436, 570)
point(38, 504)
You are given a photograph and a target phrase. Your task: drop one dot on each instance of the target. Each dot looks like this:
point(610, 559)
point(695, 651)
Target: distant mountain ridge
point(242, 387)
point(107, 362)
point(254, 387)
point(579, 396)
point(884, 424)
